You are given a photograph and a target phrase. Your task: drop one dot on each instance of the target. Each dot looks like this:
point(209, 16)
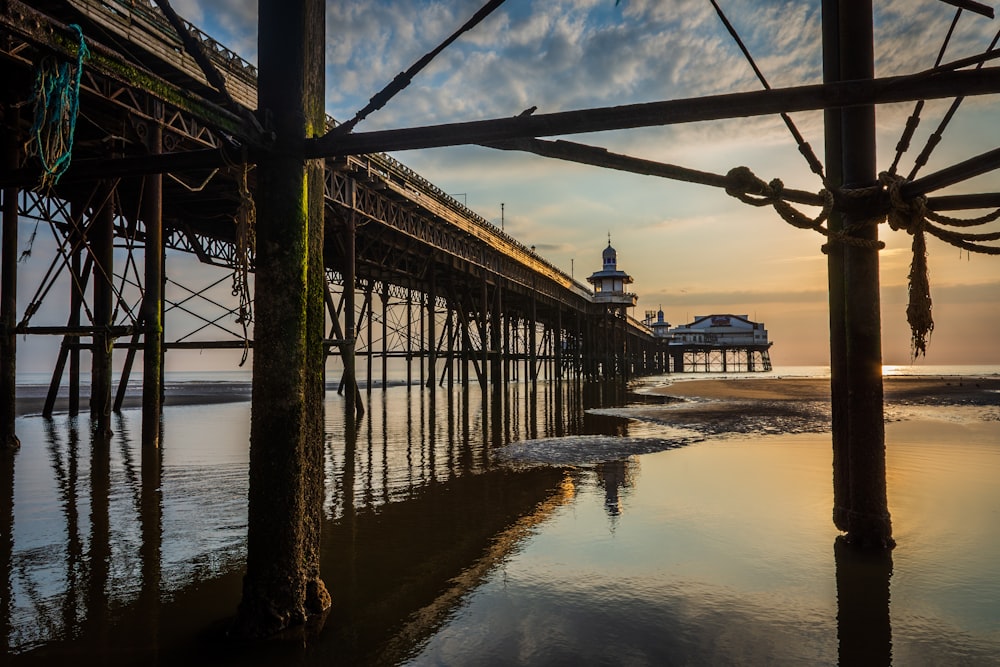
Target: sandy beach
point(31, 399)
point(898, 389)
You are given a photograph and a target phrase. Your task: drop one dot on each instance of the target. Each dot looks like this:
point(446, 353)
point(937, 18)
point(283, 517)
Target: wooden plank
point(673, 112)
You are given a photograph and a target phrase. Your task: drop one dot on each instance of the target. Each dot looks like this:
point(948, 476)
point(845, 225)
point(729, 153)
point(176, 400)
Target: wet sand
point(898, 389)
point(31, 399)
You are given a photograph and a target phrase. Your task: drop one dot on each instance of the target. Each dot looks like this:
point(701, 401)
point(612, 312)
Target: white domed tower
point(609, 283)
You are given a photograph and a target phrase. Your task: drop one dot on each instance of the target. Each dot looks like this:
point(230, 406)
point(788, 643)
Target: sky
point(691, 249)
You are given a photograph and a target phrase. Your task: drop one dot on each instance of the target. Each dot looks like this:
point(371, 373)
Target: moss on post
point(282, 587)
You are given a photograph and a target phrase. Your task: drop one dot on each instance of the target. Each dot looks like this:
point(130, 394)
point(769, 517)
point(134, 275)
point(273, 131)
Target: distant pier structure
point(714, 343)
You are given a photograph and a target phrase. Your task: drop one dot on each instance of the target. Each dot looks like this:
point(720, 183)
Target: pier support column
point(868, 517)
point(80, 275)
point(152, 298)
point(835, 272)
point(353, 395)
point(102, 246)
point(496, 332)
point(384, 295)
point(431, 333)
point(8, 305)
point(409, 337)
point(282, 586)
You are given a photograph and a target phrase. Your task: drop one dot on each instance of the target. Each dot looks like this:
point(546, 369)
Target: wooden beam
point(975, 7)
point(653, 114)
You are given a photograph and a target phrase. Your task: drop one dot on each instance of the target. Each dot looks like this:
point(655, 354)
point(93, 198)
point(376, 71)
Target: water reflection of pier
point(415, 518)
point(134, 553)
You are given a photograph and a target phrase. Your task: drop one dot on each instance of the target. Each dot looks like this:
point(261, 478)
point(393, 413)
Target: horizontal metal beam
point(938, 84)
point(115, 332)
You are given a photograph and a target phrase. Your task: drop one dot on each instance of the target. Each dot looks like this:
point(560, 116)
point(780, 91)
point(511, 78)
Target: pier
point(133, 137)
point(410, 273)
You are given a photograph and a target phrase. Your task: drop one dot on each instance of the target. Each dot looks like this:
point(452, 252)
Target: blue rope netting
point(57, 101)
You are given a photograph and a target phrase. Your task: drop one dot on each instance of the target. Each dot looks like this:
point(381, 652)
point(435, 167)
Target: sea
point(543, 523)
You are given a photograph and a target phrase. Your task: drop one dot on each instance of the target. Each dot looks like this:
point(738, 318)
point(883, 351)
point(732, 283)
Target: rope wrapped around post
point(913, 216)
point(909, 214)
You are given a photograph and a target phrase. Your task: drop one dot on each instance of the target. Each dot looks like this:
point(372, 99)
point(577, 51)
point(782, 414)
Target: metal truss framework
point(434, 283)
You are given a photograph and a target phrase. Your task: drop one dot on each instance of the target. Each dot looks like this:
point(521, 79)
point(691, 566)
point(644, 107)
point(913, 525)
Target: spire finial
point(609, 238)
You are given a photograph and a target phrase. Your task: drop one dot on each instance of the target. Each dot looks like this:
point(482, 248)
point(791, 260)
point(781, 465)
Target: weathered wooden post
point(79, 279)
point(282, 586)
point(8, 305)
point(496, 331)
point(101, 235)
point(868, 517)
point(353, 402)
point(431, 332)
point(835, 274)
point(152, 298)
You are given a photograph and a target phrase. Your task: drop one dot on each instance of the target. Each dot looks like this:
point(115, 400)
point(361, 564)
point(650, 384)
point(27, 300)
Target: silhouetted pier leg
point(384, 296)
point(431, 332)
point(409, 343)
point(354, 403)
point(8, 305)
point(366, 318)
point(869, 523)
point(81, 274)
point(102, 246)
point(558, 345)
point(152, 301)
point(281, 587)
point(835, 272)
point(496, 329)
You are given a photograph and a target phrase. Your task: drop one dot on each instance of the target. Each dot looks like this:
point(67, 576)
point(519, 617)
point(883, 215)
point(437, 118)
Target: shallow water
point(464, 531)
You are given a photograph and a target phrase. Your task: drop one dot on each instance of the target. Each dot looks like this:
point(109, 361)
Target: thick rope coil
point(749, 189)
point(908, 214)
point(911, 215)
point(57, 103)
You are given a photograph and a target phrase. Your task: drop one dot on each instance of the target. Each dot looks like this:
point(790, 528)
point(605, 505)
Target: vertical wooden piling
point(353, 398)
point(282, 587)
point(8, 305)
point(409, 337)
point(384, 295)
point(152, 298)
point(79, 278)
point(835, 273)
point(496, 331)
point(868, 517)
point(431, 332)
point(485, 341)
point(102, 246)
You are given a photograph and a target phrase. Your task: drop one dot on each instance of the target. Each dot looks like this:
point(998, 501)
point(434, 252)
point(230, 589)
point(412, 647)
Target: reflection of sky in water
point(671, 545)
point(722, 553)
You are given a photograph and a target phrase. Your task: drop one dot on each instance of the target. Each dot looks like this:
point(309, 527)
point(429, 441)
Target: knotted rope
point(246, 248)
point(908, 214)
point(57, 102)
point(749, 189)
point(911, 216)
